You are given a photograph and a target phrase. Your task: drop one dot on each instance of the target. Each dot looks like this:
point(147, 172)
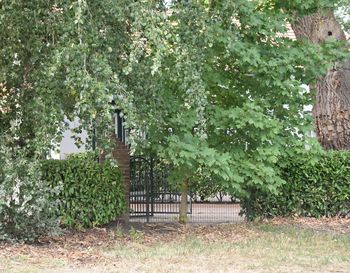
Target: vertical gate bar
point(152, 186)
point(132, 180)
point(130, 188)
point(146, 180)
point(190, 205)
point(139, 209)
point(136, 186)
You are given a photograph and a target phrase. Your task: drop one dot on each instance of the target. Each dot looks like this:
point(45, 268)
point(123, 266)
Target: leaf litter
point(86, 247)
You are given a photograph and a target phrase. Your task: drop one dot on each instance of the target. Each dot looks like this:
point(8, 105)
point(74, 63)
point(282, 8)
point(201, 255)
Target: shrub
point(313, 187)
point(90, 194)
point(26, 211)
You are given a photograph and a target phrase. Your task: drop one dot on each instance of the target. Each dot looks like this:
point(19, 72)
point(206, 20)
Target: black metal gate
point(140, 187)
point(150, 191)
point(154, 199)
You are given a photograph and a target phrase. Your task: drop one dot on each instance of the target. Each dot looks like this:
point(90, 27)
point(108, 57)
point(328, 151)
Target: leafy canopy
point(214, 84)
point(217, 88)
point(57, 59)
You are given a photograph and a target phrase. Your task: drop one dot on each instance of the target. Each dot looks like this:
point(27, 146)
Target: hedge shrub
point(314, 187)
point(90, 194)
point(26, 211)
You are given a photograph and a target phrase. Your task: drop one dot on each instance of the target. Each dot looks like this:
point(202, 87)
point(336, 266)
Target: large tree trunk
point(332, 92)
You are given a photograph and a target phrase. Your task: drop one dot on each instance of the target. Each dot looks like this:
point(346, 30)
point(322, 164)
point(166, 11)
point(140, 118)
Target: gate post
point(122, 156)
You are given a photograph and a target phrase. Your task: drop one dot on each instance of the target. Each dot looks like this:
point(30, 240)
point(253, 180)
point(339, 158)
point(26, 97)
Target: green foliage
point(213, 84)
point(218, 89)
point(58, 59)
point(342, 14)
point(304, 7)
point(314, 187)
point(204, 187)
point(91, 194)
point(67, 64)
point(25, 209)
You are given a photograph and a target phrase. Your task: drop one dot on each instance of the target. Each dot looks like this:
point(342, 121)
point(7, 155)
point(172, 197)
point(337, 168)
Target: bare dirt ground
point(278, 245)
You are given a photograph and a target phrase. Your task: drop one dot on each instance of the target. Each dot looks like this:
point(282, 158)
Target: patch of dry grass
point(278, 246)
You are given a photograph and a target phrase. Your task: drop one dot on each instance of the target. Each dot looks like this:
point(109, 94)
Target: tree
point(318, 25)
point(58, 59)
point(218, 89)
point(212, 83)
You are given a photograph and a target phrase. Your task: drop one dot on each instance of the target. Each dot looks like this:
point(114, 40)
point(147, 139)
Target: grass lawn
point(283, 245)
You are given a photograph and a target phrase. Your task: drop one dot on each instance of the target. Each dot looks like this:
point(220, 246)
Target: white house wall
point(67, 145)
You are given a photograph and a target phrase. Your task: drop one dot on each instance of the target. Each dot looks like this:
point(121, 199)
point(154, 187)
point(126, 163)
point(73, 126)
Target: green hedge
point(314, 187)
point(89, 193)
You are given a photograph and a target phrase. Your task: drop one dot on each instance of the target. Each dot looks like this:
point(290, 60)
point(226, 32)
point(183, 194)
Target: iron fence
point(154, 199)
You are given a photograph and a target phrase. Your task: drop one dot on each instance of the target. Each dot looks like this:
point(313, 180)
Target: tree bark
point(183, 219)
point(332, 92)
